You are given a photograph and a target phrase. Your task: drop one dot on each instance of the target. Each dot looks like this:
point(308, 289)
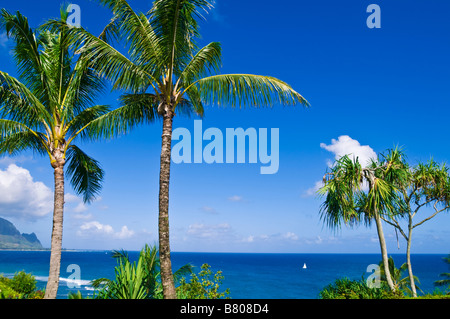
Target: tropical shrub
point(23, 283)
point(128, 282)
point(204, 286)
point(6, 292)
point(345, 288)
point(21, 286)
point(143, 280)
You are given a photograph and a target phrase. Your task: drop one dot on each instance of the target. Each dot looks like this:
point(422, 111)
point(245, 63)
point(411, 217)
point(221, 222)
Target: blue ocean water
point(248, 276)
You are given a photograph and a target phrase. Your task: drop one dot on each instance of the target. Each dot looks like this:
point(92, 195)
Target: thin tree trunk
point(384, 254)
point(408, 258)
point(164, 178)
point(57, 232)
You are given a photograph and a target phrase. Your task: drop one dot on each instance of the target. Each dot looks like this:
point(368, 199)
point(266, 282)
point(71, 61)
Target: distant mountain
point(11, 238)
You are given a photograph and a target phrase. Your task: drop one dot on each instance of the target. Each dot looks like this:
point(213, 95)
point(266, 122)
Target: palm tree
point(446, 281)
point(165, 73)
point(347, 202)
point(396, 274)
point(45, 110)
point(426, 185)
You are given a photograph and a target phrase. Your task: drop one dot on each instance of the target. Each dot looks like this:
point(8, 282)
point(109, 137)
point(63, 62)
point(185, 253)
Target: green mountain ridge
point(11, 238)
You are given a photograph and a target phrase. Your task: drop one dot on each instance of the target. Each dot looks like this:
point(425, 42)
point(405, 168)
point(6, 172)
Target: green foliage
point(51, 103)
point(128, 282)
point(404, 284)
point(346, 200)
point(446, 276)
point(345, 288)
point(143, 280)
point(23, 283)
point(6, 292)
point(21, 286)
point(437, 294)
point(204, 286)
point(75, 295)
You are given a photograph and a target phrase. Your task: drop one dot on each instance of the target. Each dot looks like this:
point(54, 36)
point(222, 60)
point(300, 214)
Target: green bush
point(352, 289)
point(7, 292)
point(21, 286)
point(142, 281)
point(204, 286)
point(23, 283)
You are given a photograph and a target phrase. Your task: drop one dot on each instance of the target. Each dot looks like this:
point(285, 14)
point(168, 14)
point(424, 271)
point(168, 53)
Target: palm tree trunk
point(56, 244)
point(408, 258)
point(384, 254)
point(164, 178)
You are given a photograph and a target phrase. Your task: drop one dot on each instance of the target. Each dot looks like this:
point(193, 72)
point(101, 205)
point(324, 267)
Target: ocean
point(248, 276)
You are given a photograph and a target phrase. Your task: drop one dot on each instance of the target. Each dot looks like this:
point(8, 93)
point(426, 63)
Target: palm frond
point(135, 109)
point(137, 32)
point(25, 105)
point(26, 52)
point(75, 127)
point(16, 137)
point(175, 23)
point(206, 61)
point(194, 101)
point(107, 62)
point(86, 173)
point(247, 89)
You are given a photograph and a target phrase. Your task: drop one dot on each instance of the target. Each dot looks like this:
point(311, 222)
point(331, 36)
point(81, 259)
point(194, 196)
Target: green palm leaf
point(22, 103)
point(26, 52)
point(86, 174)
point(247, 89)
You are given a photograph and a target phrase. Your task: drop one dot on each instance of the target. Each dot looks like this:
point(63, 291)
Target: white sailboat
point(304, 266)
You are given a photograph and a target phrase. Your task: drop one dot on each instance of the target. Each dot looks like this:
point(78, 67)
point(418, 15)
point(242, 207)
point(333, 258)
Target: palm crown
point(164, 69)
point(51, 102)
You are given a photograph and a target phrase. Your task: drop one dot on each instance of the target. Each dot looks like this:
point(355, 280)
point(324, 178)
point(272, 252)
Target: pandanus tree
point(165, 73)
point(355, 193)
point(427, 184)
point(46, 109)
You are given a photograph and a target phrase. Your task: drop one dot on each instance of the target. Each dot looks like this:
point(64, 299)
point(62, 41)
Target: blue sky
point(370, 89)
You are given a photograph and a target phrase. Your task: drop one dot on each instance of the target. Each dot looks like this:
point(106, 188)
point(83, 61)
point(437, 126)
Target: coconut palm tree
point(46, 109)
point(166, 73)
point(348, 202)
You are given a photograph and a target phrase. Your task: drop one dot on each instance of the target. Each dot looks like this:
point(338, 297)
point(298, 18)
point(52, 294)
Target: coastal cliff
point(11, 238)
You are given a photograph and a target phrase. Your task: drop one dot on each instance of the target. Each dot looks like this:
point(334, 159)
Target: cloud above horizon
point(21, 196)
point(344, 145)
point(95, 228)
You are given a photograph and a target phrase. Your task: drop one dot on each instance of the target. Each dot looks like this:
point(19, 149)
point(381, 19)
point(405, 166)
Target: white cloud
point(209, 231)
point(70, 198)
point(21, 196)
point(249, 239)
point(235, 198)
point(3, 40)
point(313, 190)
point(345, 145)
point(290, 236)
point(95, 228)
point(76, 205)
